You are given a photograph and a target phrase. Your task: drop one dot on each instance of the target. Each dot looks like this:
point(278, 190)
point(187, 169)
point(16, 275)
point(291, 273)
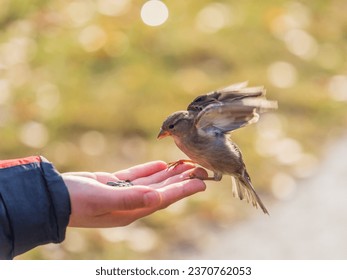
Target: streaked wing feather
point(227, 94)
point(230, 116)
point(230, 96)
point(233, 87)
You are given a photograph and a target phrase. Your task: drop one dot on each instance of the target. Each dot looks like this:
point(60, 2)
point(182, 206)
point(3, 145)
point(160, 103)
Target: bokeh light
point(154, 13)
point(112, 7)
point(92, 38)
point(305, 166)
point(75, 242)
point(5, 91)
point(338, 87)
point(139, 238)
point(6, 115)
point(142, 239)
point(34, 134)
point(288, 151)
point(300, 43)
point(93, 143)
point(17, 50)
point(213, 17)
point(80, 12)
point(290, 26)
point(295, 15)
point(47, 96)
point(282, 74)
point(270, 127)
point(283, 186)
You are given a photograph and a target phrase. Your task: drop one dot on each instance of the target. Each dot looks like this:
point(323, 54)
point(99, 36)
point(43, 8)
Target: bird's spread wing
point(240, 90)
point(233, 87)
point(227, 116)
point(226, 94)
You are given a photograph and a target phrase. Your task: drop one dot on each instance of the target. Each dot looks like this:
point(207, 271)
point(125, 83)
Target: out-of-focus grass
point(89, 91)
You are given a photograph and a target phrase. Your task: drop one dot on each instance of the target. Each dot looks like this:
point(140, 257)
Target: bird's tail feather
point(243, 189)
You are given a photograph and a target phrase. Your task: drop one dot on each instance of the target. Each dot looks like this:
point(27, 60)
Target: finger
point(99, 198)
point(124, 199)
point(142, 170)
point(158, 200)
point(102, 177)
point(175, 192)
point(177, 187)
point(197, 172)
point(168, 195)
point(163, 174)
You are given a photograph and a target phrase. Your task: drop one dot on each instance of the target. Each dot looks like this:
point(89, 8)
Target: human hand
point(95, 204)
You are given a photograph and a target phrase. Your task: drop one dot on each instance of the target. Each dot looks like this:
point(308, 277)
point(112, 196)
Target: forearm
point(35, 205)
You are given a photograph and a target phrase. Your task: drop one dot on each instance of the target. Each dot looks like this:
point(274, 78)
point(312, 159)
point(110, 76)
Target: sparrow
point(202, 132)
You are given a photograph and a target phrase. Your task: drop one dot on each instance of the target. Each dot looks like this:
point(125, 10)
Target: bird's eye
point(171, 126)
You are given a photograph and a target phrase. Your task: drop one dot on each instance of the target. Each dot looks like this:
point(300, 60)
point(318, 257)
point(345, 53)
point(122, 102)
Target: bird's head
point(177, 124)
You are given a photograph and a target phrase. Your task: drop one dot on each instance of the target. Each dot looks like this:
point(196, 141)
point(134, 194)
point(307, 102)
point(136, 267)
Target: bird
point(203, 133)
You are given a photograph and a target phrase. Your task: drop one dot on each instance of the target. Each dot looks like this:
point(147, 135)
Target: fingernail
point(151, 199)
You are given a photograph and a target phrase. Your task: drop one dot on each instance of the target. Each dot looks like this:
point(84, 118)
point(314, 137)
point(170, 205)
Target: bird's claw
point(174, 164)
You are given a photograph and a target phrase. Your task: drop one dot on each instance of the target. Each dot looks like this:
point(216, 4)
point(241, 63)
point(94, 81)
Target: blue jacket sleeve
point(34, 205)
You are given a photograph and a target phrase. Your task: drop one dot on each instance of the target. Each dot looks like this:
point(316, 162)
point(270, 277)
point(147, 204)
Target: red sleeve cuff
point(19, 161)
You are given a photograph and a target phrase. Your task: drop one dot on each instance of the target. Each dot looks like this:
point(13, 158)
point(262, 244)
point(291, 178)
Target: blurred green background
point(88, 83)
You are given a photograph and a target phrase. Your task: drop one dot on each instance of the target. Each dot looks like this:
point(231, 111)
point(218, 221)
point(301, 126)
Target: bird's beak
point(162, 134)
